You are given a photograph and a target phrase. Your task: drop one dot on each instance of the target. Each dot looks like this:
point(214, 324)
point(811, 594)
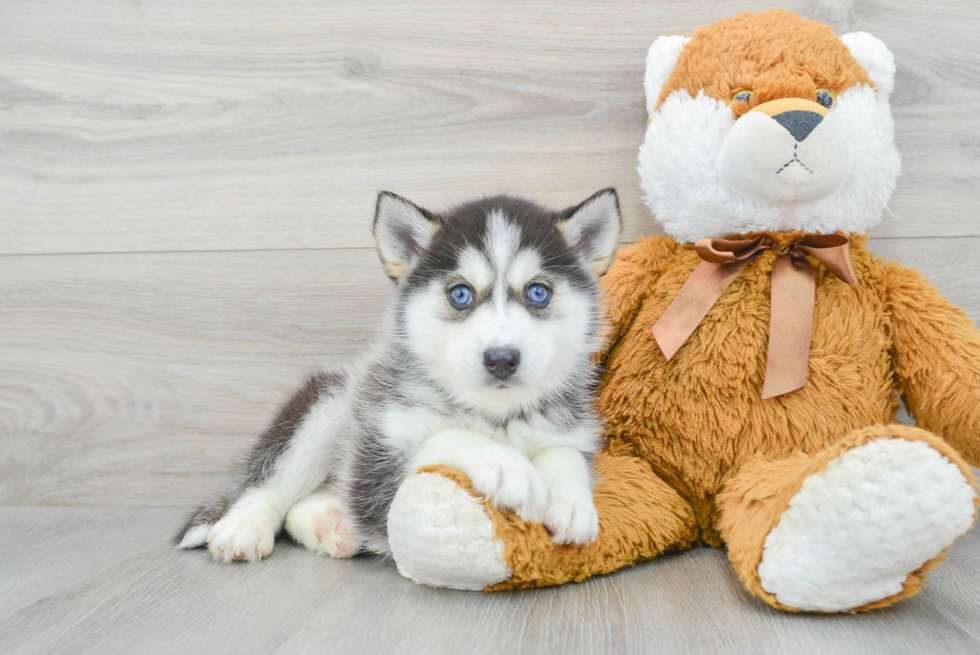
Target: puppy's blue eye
point(460, 296)
point(538, 294)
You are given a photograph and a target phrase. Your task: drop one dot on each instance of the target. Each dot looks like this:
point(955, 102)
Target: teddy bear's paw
point(319, 522)
point(441, 535)
point(571, 517)
point(854, 532)
point(508, 480)
point(247, 532)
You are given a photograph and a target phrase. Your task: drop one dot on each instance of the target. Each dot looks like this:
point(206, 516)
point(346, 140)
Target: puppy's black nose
point(501, 362)
point(798, 122)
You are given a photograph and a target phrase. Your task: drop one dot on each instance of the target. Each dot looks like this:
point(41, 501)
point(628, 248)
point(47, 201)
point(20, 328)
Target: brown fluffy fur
point(698, 420)
point(693, 455)
point(790, 57)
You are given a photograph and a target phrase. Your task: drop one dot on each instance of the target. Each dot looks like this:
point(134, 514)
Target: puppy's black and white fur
point(485, 365)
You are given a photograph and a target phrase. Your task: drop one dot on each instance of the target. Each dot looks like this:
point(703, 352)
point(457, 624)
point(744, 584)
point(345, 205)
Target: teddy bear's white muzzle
point(791, 157)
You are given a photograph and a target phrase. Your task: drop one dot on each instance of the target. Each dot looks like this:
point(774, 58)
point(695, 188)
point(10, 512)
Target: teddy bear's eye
point(825, 98)
point(742, 96)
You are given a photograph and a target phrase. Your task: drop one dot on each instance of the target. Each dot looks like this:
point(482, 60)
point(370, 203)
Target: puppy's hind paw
point(318, 522)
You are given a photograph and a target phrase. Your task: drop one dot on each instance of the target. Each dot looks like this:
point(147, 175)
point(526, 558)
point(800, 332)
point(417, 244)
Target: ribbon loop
point(793, 290)
point(721, 251)
point(833, 251)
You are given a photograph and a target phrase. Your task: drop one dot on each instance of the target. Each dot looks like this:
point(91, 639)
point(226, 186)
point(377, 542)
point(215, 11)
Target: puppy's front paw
point(245, 533)
point(509, 481)
point(571, 517)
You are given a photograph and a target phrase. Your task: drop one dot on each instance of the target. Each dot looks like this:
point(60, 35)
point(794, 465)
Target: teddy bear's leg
point(852, 528)
point(442, 534)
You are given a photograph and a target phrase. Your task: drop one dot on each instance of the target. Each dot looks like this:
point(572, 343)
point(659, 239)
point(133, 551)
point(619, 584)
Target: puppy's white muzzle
point(785, 152)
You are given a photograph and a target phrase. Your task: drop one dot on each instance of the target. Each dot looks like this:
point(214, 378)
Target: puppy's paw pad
point(335, 537)
point(318, 522)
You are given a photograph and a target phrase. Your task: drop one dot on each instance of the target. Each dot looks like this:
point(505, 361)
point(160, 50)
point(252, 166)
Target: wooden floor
point(104, 580)
point(186, 191)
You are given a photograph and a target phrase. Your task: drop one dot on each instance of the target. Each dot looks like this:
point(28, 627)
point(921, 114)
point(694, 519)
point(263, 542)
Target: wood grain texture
point(180, 125)
point(129, 377)
point(104, 580)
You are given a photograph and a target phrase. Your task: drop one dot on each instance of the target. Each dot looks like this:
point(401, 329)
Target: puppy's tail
point(194, 534)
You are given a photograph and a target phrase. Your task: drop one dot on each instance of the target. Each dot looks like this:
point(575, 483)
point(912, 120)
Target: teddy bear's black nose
point(798, 122)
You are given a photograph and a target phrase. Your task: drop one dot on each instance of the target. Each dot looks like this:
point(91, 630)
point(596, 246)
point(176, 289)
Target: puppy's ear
point(402, 231)
point(592, 229)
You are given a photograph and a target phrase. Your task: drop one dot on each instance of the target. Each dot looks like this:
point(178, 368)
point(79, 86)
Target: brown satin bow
point(793, 288)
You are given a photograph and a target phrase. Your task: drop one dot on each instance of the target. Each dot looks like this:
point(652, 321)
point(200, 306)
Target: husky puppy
point(485, 365)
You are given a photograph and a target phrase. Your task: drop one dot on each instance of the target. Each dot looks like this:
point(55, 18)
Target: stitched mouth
point(796, 160)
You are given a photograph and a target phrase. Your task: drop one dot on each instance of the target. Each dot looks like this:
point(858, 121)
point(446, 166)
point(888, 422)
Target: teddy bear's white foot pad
point(853, 533)
point(440, 535)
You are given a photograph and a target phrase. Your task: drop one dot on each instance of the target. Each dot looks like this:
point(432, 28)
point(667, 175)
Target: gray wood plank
point(83, 580)
point(126, 372)
point(178, 125)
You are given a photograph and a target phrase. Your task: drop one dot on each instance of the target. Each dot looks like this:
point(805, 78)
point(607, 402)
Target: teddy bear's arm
point(629, 281)
point(936, 350)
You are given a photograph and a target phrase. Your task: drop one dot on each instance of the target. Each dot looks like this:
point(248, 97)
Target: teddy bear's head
point(768, 122)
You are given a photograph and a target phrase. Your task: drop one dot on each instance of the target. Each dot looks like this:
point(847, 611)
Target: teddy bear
point(750, 376)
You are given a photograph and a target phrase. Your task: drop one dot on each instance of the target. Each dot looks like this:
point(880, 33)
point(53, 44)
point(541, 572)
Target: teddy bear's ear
point(875, 57)
point(661, 59)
